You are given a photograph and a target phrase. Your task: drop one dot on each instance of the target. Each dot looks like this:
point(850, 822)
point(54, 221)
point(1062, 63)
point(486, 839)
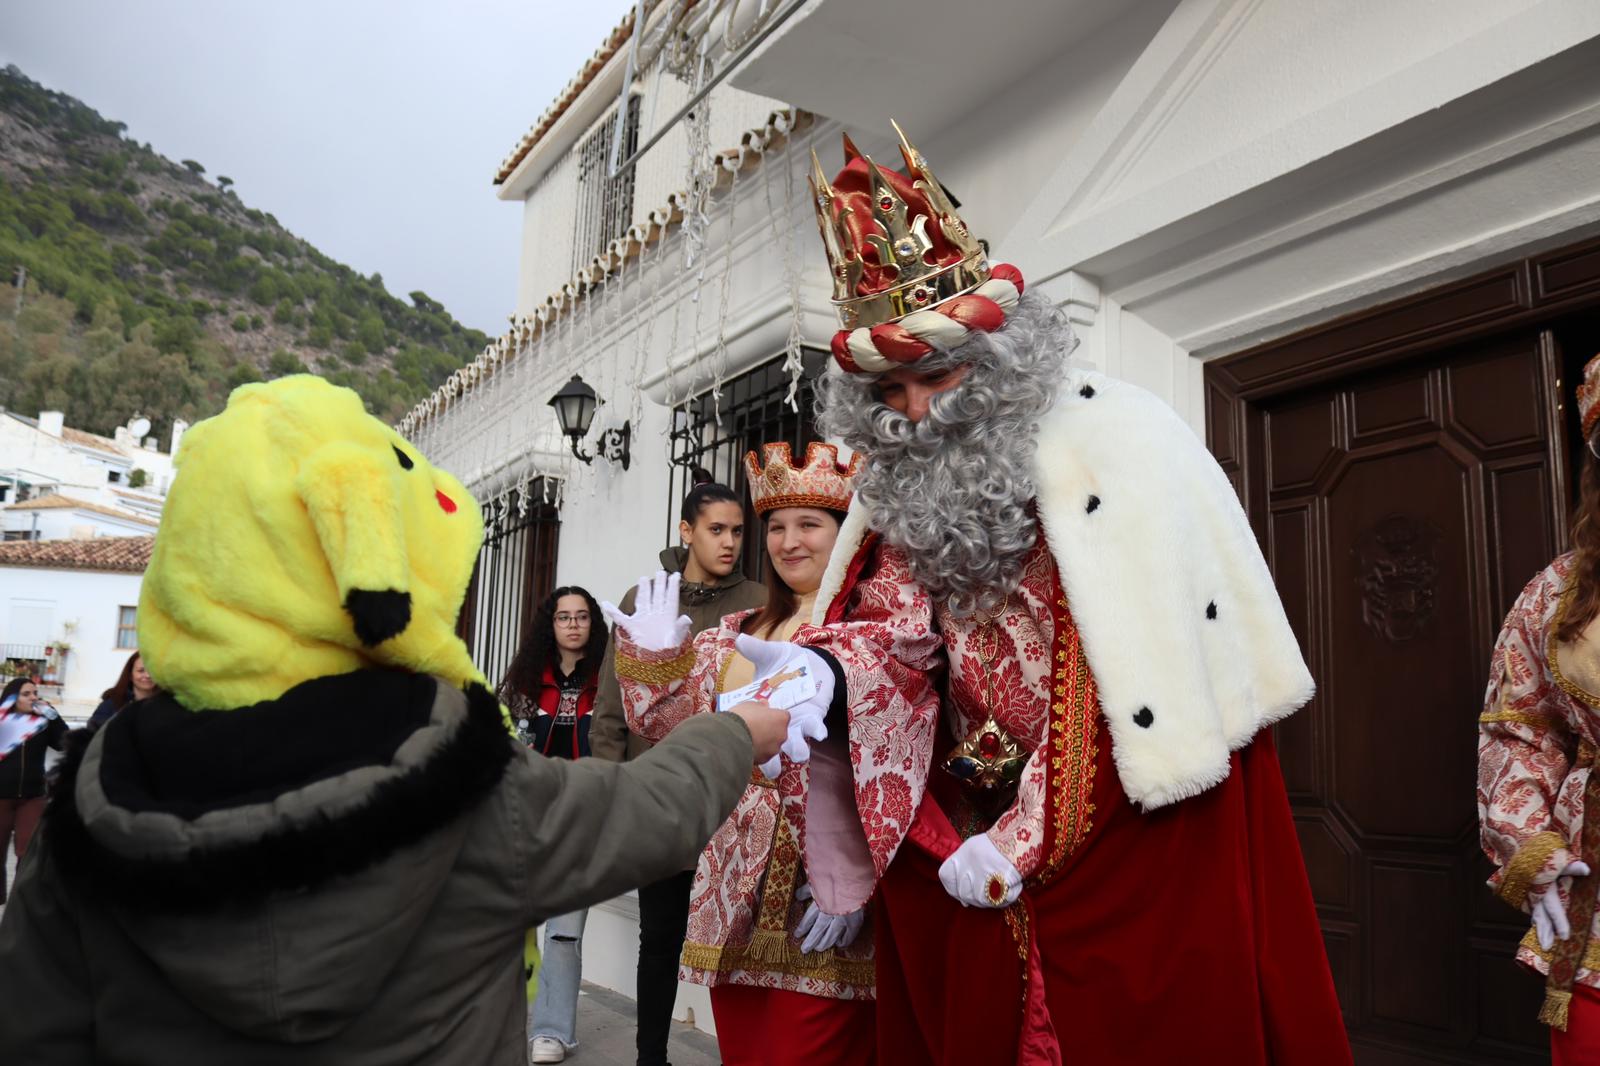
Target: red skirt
point(1580, 1044)
point(1187, 934)
point(775, 1027)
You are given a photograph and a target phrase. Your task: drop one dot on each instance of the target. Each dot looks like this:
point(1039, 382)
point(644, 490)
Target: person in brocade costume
point(1103, 867)
point(1538, 736)
point(778, 922)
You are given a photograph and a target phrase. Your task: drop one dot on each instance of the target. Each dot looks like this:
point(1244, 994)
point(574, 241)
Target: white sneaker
point(546, 1049)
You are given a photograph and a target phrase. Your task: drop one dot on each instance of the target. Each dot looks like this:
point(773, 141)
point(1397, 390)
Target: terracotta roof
point(589, 71)
point(751, 149)
point(90, 440)
point(58, 502)
point(123, 555)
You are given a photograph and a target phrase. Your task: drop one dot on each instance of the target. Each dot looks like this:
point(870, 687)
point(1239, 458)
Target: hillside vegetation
point(147, 288)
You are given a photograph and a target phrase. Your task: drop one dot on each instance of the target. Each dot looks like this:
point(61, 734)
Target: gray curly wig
point(952, 490)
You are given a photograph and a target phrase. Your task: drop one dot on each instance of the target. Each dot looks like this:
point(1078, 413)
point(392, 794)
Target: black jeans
point(663, 920)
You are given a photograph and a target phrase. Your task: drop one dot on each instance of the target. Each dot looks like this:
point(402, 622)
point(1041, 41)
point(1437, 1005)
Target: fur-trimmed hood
point(1190, 648)
point(334, 811)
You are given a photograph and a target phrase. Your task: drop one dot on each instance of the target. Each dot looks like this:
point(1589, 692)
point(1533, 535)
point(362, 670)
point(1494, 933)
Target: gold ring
point(996, 889)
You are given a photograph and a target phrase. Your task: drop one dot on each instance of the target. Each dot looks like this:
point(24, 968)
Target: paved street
point(605, 1034)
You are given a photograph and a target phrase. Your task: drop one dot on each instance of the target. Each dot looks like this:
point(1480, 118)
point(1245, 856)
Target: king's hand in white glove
point(808, 718)
point(655, 624)
point(1544, 903)
point(977, 875)
point(821, 930)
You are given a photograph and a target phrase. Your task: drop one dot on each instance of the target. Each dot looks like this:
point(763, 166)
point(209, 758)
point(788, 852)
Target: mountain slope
point(147, 289)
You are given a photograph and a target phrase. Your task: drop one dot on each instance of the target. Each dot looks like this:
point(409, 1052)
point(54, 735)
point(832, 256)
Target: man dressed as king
point(1102, 866)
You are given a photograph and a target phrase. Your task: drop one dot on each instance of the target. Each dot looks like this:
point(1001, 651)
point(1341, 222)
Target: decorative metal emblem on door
point(1399, 573)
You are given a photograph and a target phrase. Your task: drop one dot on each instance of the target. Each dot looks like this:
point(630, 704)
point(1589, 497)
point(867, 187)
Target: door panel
point(1405, 509)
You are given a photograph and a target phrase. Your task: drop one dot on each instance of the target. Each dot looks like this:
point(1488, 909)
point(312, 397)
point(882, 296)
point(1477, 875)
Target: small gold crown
point(822, 482)
point(922, 252)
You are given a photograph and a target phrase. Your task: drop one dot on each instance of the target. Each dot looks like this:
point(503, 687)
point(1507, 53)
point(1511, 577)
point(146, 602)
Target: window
point(753, 410)
point(605, 204)
point(127, 627)
point(113, 476)
point(516, 569)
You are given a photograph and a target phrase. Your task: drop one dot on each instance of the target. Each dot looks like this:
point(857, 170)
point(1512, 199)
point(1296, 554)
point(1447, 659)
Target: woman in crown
point(778, 923)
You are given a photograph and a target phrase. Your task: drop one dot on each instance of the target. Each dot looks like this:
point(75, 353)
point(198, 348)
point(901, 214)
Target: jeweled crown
point(894, 241)
point(822, 482)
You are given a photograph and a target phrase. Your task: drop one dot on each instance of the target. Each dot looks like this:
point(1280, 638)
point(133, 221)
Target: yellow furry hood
point(302, 537)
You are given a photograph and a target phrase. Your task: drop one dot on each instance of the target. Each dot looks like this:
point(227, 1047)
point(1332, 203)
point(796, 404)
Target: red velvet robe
point(1187, 934)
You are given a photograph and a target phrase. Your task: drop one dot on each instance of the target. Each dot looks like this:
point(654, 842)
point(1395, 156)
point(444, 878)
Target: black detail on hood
point(160, 757)
point(378, 615)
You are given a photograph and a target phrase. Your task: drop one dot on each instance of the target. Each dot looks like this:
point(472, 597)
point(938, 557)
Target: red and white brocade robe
point(1536, 747)
point(803, 829)
point(1166, 916)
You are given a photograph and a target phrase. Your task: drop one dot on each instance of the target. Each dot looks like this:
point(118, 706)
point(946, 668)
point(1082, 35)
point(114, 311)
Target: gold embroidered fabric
point(1537, 721)
point(662, 673)
point(1074, 712)
point(817, 965)
point(1525, 866)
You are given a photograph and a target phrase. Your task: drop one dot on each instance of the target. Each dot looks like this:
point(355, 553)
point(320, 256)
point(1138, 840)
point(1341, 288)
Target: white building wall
point(78, 606)
point(550, 207)
point(1184, 177)
point(62, 524)
point(83, 472)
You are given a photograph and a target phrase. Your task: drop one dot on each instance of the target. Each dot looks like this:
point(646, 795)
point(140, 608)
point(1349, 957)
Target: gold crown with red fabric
point(822, 482)
point(907, 274)
point(1589, 396)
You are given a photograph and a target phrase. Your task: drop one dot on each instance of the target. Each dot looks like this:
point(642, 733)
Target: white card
point(790, 684)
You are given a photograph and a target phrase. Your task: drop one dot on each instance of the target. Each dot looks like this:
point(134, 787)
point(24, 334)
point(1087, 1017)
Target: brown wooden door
point(1407, 509)
point(1407, 471)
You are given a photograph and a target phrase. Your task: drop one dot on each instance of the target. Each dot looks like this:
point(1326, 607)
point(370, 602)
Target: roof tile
point(125, 555)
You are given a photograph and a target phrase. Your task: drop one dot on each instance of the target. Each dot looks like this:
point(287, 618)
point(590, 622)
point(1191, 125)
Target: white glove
point(808, 718)
point(1549, 916)
point(655, 624)
point(966, 874)
point(822, 930)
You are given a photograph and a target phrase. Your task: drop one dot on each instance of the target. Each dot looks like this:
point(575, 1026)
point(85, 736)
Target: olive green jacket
point(342, 877)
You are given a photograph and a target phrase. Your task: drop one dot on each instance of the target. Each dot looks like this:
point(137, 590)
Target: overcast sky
point(372, 129)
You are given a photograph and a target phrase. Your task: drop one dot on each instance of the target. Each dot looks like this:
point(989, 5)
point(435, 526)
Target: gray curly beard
point(952, 491)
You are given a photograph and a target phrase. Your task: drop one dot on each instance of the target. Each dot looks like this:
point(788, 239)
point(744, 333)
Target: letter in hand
point(655, 624)
point(769, 728)
point(807, 723)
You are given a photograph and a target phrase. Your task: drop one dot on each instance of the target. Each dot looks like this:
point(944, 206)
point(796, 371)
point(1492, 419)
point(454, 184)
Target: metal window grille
point(516, 569)
point(715, 435)
point(605, 204)
point(127, 627)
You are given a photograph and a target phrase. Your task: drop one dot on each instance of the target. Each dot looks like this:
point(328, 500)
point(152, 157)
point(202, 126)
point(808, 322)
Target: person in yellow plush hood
point(320, 844)
point(319, 541)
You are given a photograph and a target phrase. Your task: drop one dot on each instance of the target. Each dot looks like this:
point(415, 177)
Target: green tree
point(194, 168)
point(284, 362)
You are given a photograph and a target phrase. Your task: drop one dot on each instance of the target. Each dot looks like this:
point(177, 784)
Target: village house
point(56, 481)
point(71, 614)
point(1353, 245)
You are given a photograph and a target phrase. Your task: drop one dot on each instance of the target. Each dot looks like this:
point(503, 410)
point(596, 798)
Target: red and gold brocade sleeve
point(661, 689)
point(889, 654)
point(1019, 833)
point(1530, 804)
